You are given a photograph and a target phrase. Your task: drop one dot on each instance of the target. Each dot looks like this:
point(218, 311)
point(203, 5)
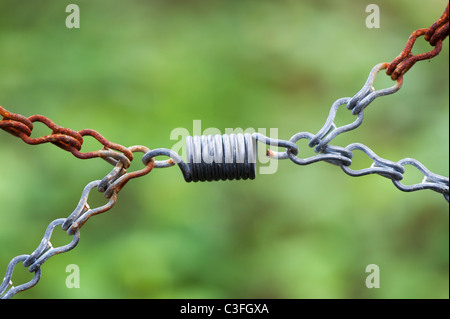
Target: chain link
point(435, 35)
point(110, 185)
point(342, 156)
point(65, 138)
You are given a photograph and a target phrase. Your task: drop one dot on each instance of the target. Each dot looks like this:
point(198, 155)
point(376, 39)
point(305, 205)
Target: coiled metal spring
point(212, 157)
point(221, 157)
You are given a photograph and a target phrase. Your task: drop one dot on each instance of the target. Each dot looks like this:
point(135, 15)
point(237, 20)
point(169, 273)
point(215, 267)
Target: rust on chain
point(105, 143)
point(435, 35)
point(120, 182)
point(65, 138)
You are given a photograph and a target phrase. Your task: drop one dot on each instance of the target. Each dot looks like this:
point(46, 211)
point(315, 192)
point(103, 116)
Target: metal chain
point(342, 156)
point(435, 35)
point(111, 185)
point(120, 157)
point(65, 138)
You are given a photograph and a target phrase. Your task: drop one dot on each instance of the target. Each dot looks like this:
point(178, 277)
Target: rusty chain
point(120, 157)
point(65, 138)
point(435, 35)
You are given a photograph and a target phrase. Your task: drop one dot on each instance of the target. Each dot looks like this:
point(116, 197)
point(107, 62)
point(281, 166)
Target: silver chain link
point(342, 156)
point(110, 185)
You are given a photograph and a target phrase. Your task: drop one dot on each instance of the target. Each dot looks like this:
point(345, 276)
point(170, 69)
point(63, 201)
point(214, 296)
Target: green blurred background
point(136, 70)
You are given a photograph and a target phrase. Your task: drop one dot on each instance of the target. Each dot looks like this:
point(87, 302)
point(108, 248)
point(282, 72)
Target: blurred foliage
point(136, 70)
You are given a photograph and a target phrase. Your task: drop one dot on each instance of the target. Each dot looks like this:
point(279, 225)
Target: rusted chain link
point(65, 138)
point(435, 35)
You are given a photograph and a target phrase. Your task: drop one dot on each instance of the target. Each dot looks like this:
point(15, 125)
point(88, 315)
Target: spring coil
point(221, 157)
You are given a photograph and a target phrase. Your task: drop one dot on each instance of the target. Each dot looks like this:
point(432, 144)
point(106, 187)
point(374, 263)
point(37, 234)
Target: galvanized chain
point(342, 156)
point(110, 185)
point(221, 157)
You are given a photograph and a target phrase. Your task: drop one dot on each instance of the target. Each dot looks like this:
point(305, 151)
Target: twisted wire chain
point(65, 138)
point(435, 35)
point(110, 185)
point(343, 156)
